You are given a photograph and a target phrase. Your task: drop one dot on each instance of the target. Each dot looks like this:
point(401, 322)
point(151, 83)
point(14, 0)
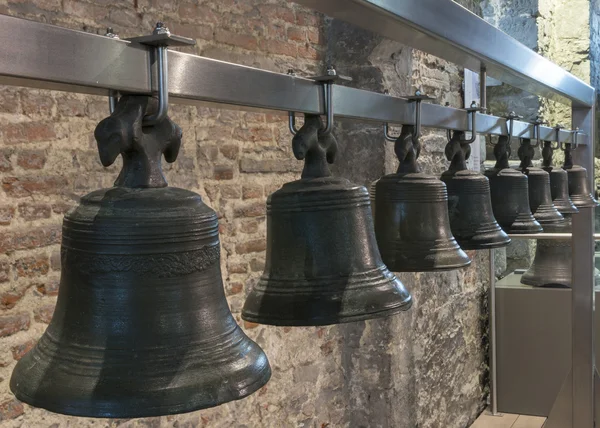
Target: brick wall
point(384, 373)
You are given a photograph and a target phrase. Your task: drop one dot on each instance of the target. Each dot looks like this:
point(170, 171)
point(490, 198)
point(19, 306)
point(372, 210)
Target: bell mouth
point(303, 302)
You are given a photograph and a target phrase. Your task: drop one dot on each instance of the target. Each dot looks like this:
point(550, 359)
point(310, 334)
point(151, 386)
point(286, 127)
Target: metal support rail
point(50, 57)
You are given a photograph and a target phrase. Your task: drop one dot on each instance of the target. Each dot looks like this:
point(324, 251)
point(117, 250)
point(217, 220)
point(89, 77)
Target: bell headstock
point(141, 147)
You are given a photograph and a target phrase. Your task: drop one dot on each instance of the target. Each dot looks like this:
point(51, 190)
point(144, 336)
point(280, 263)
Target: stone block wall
point(427, 367)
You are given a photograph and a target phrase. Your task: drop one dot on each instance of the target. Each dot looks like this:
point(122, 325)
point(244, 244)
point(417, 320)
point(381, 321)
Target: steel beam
point(50, 57)
point(449, 31)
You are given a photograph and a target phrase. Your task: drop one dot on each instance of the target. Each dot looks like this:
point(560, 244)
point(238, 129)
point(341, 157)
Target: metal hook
point(536, 131)
point(557, 129)
point(417, 99)
point(291, 114)
point(471, 111)
point(113, 96)
point(327, 82)
point(511, 118)
point(161, 38)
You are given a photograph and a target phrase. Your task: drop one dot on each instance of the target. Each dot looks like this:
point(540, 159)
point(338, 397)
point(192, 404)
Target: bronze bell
point(559, 182)
point(540, 199)
point(322, 263)
point(141, 326)
point(510, 193)
point(552, 262)
point(469, 202)
point(411, 217)
point(579, 186)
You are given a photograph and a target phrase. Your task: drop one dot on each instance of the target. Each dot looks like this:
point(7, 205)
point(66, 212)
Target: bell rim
point(502, 240)
point(403, 306)
point(153, 411)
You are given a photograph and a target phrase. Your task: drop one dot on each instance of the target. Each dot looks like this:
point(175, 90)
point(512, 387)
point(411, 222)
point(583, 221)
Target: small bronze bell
point(510, 193)
point(411, 216)
point(579, 186)
point(141, 326)
point(540, 199)
point(552, 262)
point(469, 202)
point(322, 263)
point(559, 182)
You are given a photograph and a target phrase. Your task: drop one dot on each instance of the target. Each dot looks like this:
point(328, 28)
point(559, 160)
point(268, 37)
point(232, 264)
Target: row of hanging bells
point(142, 326)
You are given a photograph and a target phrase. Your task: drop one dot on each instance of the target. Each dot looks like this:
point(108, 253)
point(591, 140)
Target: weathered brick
point(308, 19)
point(252, 246)
point(253, 134)
point(257, 265)
point(255, 209)
point(6, 215)
point(309, 52)
point(20, 187)
point(31, 159)
point(9, 99)
point(55, 262)
point(5, 164)
point(11, 324)
point(29, 238)
point(28, 132)
point(273, 12)
point(314, 35)
point(252, 191)
point(37, 103)
point(9, 299)
point(207, 153)
point(62, 207)
point(249, 226)
point(197, 13)
point(18, 351)
point(44, 313)
point(71, 107)
point(248, 164)
point(236, 288)
point(11, 409)
point(278, 47)
point(125, 18)
point(231, 191)
point(237, 268)
point(193, 31)
point(32, 266)
point(4, 271)
point(223, 172)
point(230, 151)
point(34, 211)
point(49, 287)
point(243, 41)
point(296, 33)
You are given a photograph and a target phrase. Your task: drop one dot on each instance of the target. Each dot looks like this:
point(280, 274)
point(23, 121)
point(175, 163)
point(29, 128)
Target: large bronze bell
point(141, 326)
point(559, 182)
point(469, 202)
point(510, 193)
point(579, 186)
point(322, 263)
point(540, 199)
point(411, 216)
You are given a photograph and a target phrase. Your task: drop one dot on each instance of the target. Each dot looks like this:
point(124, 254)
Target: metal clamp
point(160, 39)
point(417, 98)
point(471, 111)
point(327, 82)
